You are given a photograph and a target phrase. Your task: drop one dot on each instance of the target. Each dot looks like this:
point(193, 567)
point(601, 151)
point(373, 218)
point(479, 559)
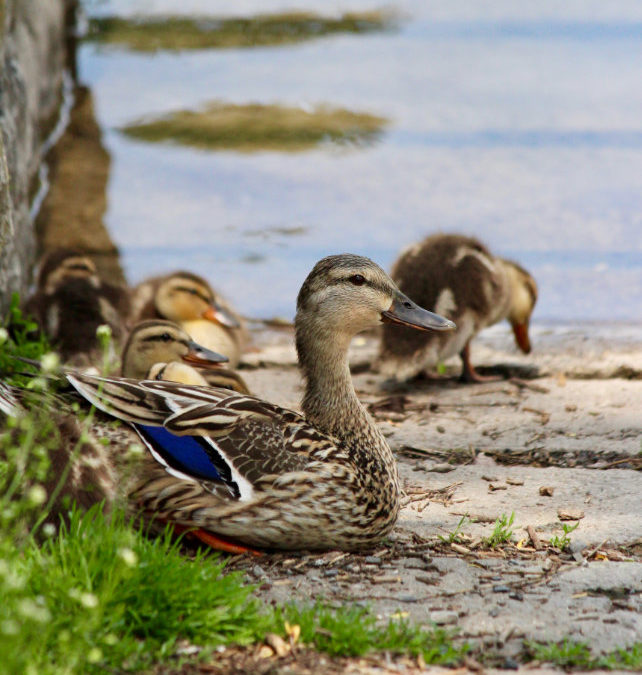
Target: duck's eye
point(358, 279)
point(166, 337)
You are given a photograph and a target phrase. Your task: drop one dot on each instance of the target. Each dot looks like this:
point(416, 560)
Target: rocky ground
point(557, 442)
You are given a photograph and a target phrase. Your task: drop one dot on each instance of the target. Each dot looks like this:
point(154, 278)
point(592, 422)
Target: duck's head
point(155, 341)
point(523, 296)
point(183, 296)
point(346, 294)
point(62, 265)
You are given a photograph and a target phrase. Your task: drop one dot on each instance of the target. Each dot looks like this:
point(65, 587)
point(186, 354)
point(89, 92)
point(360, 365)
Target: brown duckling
point(71, 301)
point(189, 300)
point(162, 350)
point(459, 278)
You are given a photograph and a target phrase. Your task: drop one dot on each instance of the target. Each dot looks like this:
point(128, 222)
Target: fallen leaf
point(546, 491)
point(278, 644)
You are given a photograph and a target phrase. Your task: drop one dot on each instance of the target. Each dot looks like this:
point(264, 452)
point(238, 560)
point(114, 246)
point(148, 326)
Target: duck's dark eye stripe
point(193, 291)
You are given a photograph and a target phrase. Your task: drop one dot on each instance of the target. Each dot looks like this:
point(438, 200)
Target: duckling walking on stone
point(459, 278)
point(242, 469)
point(189, 300)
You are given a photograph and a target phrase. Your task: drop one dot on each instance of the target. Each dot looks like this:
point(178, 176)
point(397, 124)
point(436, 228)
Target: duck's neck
point(330, 401)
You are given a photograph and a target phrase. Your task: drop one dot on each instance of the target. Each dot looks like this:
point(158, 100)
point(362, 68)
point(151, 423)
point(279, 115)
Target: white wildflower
point(50, 362)
point(30, 610)
point(128, 556)
point(88, 600)
point(37, 495)
point(94, 655)
point(4, 336)
point(48, 529)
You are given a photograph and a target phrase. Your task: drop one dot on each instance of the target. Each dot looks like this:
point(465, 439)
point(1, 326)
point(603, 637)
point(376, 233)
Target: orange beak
point(221, 316)
point(520, 330)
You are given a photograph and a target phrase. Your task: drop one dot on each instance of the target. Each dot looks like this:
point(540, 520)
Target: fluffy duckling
point(71, 301)
point(162, 350)
point(189, 300)
point(459, 278)
point(80, 470)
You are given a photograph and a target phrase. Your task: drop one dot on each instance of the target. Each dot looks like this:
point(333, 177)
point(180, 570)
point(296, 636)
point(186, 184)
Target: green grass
point(254, 128)
point(19, 336)
point(454, 536)
point(182, 33)
point(502, 532)
point(577, 655)
point(564, 540)
point(354, 631)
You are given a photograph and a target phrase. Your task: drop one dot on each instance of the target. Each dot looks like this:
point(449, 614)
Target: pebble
point(441, 468)
point(500, 588)
point(330, 573)
point(516, 596)
point(510, 664)
point(258, 571)
point(372, 560)
point(443, 617)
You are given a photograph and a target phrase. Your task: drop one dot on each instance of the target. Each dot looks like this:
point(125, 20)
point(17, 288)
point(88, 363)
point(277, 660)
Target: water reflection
point(180, 32)
point(254, 128)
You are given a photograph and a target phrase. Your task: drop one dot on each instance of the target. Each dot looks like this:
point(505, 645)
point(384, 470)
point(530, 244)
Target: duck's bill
point(220, 315)
point(405, 312)
point(201, 356)
point(520, 331)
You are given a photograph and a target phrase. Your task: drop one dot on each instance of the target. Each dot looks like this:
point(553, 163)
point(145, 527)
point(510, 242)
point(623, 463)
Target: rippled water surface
point(520, 125)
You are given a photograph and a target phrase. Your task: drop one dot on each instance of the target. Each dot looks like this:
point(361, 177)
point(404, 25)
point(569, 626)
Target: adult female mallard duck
point(71, 301)
point(189, 300)
point(458, 277)
point(162, 350)
point(242, 469)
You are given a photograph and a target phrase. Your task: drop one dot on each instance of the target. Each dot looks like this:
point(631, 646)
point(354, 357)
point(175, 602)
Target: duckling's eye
point(358, 279)
point(165, 337)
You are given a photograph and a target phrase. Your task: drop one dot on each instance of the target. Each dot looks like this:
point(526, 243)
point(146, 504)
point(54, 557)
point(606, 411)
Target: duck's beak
point(407, 313)
point(520, 330)
point(201, 356)
point(219, 314)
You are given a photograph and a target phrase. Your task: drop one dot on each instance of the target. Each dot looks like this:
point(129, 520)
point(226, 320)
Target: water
point(519, 125)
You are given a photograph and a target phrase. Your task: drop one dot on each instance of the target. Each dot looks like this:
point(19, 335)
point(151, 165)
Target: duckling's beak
point(407, 313)
point(520, 331)
point(201, 356)
point(219, 314)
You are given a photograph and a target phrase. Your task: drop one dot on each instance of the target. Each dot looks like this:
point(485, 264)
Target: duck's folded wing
point(206, 434)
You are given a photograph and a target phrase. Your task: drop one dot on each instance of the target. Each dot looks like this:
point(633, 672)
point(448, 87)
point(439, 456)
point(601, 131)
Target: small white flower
point(135, 450)
point(4, 336)
point(10, 627)
point(37, 495)
point(50, 362)
point(94, 655)
point(128, 556)
point(48, 530)
point(103, 332)
point(30, 610)
point(111, 639)
point(88, 600)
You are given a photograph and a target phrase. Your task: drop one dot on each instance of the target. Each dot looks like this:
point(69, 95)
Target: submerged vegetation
point(254, 127)
point(177, 32)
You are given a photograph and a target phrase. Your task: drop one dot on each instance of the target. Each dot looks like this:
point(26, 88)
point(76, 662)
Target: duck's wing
point(209, 435)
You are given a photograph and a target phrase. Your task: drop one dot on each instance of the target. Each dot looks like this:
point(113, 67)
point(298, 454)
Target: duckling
point(71, 301)
point(458, 277)
point(189, 300)
point(80, 471)
point(158, 349)
point(245, 472)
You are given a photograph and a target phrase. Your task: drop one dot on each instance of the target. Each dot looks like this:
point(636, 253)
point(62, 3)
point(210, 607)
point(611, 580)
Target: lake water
point(521, 125)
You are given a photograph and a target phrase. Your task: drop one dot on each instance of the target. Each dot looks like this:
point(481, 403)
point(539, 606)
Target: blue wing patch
point(183, 453)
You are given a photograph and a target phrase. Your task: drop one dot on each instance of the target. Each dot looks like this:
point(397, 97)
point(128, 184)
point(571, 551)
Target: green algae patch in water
point(179, 33)
point(256, 128)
